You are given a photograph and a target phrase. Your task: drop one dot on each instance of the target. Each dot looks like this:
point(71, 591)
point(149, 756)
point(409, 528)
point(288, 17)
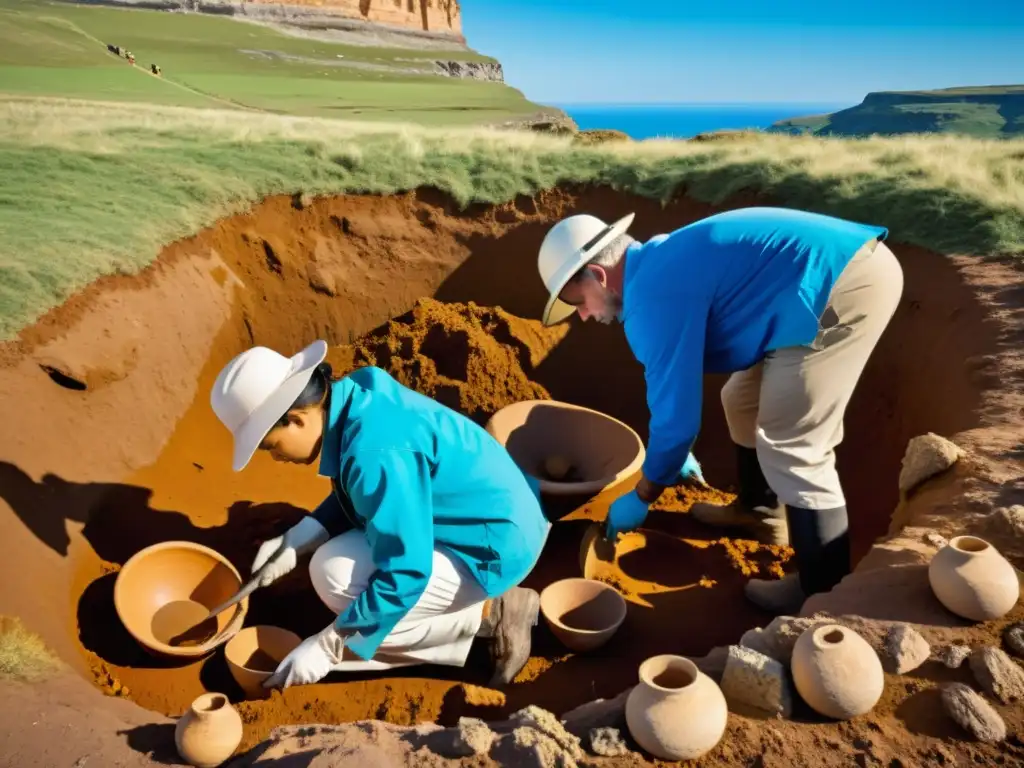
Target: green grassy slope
point(58, 49)
point(987, 112)
point(93, 189)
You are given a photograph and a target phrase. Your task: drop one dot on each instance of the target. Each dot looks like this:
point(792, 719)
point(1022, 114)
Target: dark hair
point(316, 389)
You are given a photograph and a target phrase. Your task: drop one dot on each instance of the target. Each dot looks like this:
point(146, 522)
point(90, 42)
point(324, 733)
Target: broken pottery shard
point(998, 674)
point(602, 713)
point(756, 680)
point(530, 748)
point(545, 722)
point(608, 742)
point(1013, 636)
point(973, 713)
point(953, 656)
point(926, 456)
point(904, 649)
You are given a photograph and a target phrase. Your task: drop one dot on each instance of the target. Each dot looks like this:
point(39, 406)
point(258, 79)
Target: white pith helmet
point(567, 246)
point(256, 389)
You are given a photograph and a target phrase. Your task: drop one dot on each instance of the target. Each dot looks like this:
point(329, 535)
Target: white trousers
point(438, 630)
point(790, 406)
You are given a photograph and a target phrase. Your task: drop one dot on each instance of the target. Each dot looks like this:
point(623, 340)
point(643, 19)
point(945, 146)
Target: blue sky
point(619, 51)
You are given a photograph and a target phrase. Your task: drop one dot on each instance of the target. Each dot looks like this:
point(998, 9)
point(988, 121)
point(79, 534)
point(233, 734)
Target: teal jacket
point(718, 295)
point(413, 474)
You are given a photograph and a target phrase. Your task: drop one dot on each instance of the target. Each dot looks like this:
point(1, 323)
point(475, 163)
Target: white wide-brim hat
point(256, 389)
point(567, 246)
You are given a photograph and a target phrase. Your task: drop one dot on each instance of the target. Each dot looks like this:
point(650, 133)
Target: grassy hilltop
point(59, 49)
point(988, 112)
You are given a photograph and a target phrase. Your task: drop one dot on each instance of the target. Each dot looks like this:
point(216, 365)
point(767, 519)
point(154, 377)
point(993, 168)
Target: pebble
point(1014, 637)
point(973, 713)
point(904, 649)
point(953, 656)
point(608, 742)
point(756, 680)
point(998, 674)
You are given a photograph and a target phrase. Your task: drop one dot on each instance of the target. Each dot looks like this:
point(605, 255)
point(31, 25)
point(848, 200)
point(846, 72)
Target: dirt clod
point(973, 713)
point(904, 649)
point(998, 674)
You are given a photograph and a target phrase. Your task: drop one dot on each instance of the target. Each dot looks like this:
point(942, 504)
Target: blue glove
point(626, 513)
point(691, 472)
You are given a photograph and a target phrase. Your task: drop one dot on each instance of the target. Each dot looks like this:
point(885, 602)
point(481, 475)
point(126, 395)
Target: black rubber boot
point(821, 543)
point(756, 511)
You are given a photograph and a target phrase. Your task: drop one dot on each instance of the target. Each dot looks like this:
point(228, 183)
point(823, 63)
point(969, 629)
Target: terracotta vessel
point(836, 672)
point(209, 732)
point(973, 580)
point(254, 653)
point(676, 712)
point(164, 592)
point(569, 449)
point(582, 613)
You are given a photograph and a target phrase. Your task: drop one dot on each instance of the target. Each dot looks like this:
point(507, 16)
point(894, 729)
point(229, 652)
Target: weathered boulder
point(973, 713)
point(998, 674)
point(904, 650)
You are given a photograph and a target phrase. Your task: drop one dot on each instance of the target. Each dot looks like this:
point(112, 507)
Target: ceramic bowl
point(253, 654)
point(582, 613)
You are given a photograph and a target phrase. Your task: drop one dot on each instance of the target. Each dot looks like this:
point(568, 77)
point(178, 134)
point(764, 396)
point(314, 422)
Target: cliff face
point(421, 15)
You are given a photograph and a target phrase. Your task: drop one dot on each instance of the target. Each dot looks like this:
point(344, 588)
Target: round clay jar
point(836, 672)
point(973, 580)
point(209, 732)
point(676, 712)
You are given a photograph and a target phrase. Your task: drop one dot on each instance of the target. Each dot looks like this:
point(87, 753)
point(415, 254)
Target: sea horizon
point(683, 120)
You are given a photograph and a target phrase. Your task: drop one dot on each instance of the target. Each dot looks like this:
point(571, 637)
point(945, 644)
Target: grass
point(59, 49)
point(92, 189)
point(23, 654)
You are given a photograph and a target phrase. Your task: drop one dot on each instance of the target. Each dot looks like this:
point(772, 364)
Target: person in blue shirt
point(428, 529)
point(791, 304)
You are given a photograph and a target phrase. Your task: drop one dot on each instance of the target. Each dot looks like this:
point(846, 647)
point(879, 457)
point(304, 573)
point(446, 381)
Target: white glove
point(283, 552)
point(311, 661)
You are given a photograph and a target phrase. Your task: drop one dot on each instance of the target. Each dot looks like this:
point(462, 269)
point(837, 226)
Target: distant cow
point(155, 69)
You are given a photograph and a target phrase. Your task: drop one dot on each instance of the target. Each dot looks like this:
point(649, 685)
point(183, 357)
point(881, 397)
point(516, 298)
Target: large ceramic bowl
point(568, 448)
point(164, 590)
point(582, 613)
point(254, 654)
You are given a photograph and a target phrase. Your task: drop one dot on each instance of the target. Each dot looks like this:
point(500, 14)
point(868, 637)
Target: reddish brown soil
point(131, 454)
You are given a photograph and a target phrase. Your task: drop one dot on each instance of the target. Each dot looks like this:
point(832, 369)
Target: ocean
point(682, 121)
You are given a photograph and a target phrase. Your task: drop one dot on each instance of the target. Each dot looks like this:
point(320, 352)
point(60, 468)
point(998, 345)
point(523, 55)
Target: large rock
point(926, 456)
point(756, 680)
point(904, 650)
point(998, 674)
point(973, 713)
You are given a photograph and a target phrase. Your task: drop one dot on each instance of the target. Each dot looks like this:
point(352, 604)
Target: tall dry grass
point(92, 188)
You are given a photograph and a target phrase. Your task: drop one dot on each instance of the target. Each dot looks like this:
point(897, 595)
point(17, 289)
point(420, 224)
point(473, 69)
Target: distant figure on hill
point(792, 304)
point(428, 528)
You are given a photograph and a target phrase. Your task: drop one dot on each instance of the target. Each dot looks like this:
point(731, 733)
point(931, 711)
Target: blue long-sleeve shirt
point(413, 474)
point(717, 295)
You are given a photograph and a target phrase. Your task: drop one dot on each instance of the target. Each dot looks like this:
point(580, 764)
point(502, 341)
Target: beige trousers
point(790, 406)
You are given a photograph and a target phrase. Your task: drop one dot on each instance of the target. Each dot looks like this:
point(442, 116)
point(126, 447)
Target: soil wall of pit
point(111, 446)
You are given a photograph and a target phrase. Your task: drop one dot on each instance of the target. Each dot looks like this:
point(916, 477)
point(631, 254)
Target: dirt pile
point(474, 359)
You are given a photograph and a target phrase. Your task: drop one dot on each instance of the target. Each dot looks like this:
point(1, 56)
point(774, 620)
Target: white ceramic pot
point(836, 672)
point(973, 580)
point(676, 712)
point(209, 732)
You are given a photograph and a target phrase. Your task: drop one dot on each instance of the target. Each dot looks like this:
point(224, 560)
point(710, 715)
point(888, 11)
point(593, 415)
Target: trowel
point(597, 553)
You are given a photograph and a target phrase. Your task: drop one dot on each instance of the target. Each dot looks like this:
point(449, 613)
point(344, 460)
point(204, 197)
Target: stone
point(937, 540)
point(757, 639)
point(778, 638)
point(530, 748)
point(904, 650)
point(953, 656)
point(470, 737)
point(545, 722)
point(713, 664)
point(926, 456)
point(602, 713)
point(972, 713)
point(998, 674)
point(1013, 636)
point(608, 742)
point(756, 680)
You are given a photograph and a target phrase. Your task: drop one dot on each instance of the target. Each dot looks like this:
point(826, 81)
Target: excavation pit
point(93, 476)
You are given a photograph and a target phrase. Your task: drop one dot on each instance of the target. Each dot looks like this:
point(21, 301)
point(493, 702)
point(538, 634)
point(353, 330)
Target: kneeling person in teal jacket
point(428, 528)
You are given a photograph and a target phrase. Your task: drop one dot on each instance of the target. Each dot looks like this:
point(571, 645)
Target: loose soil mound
point(113, 445)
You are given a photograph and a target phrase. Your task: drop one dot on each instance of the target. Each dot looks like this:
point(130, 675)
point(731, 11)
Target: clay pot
point(582, 613)
point(973, 580)
point(836, 672)
point(676, 712)
point(569, 449)
point(209, 732)
point(166, 590)
point(254, 653)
